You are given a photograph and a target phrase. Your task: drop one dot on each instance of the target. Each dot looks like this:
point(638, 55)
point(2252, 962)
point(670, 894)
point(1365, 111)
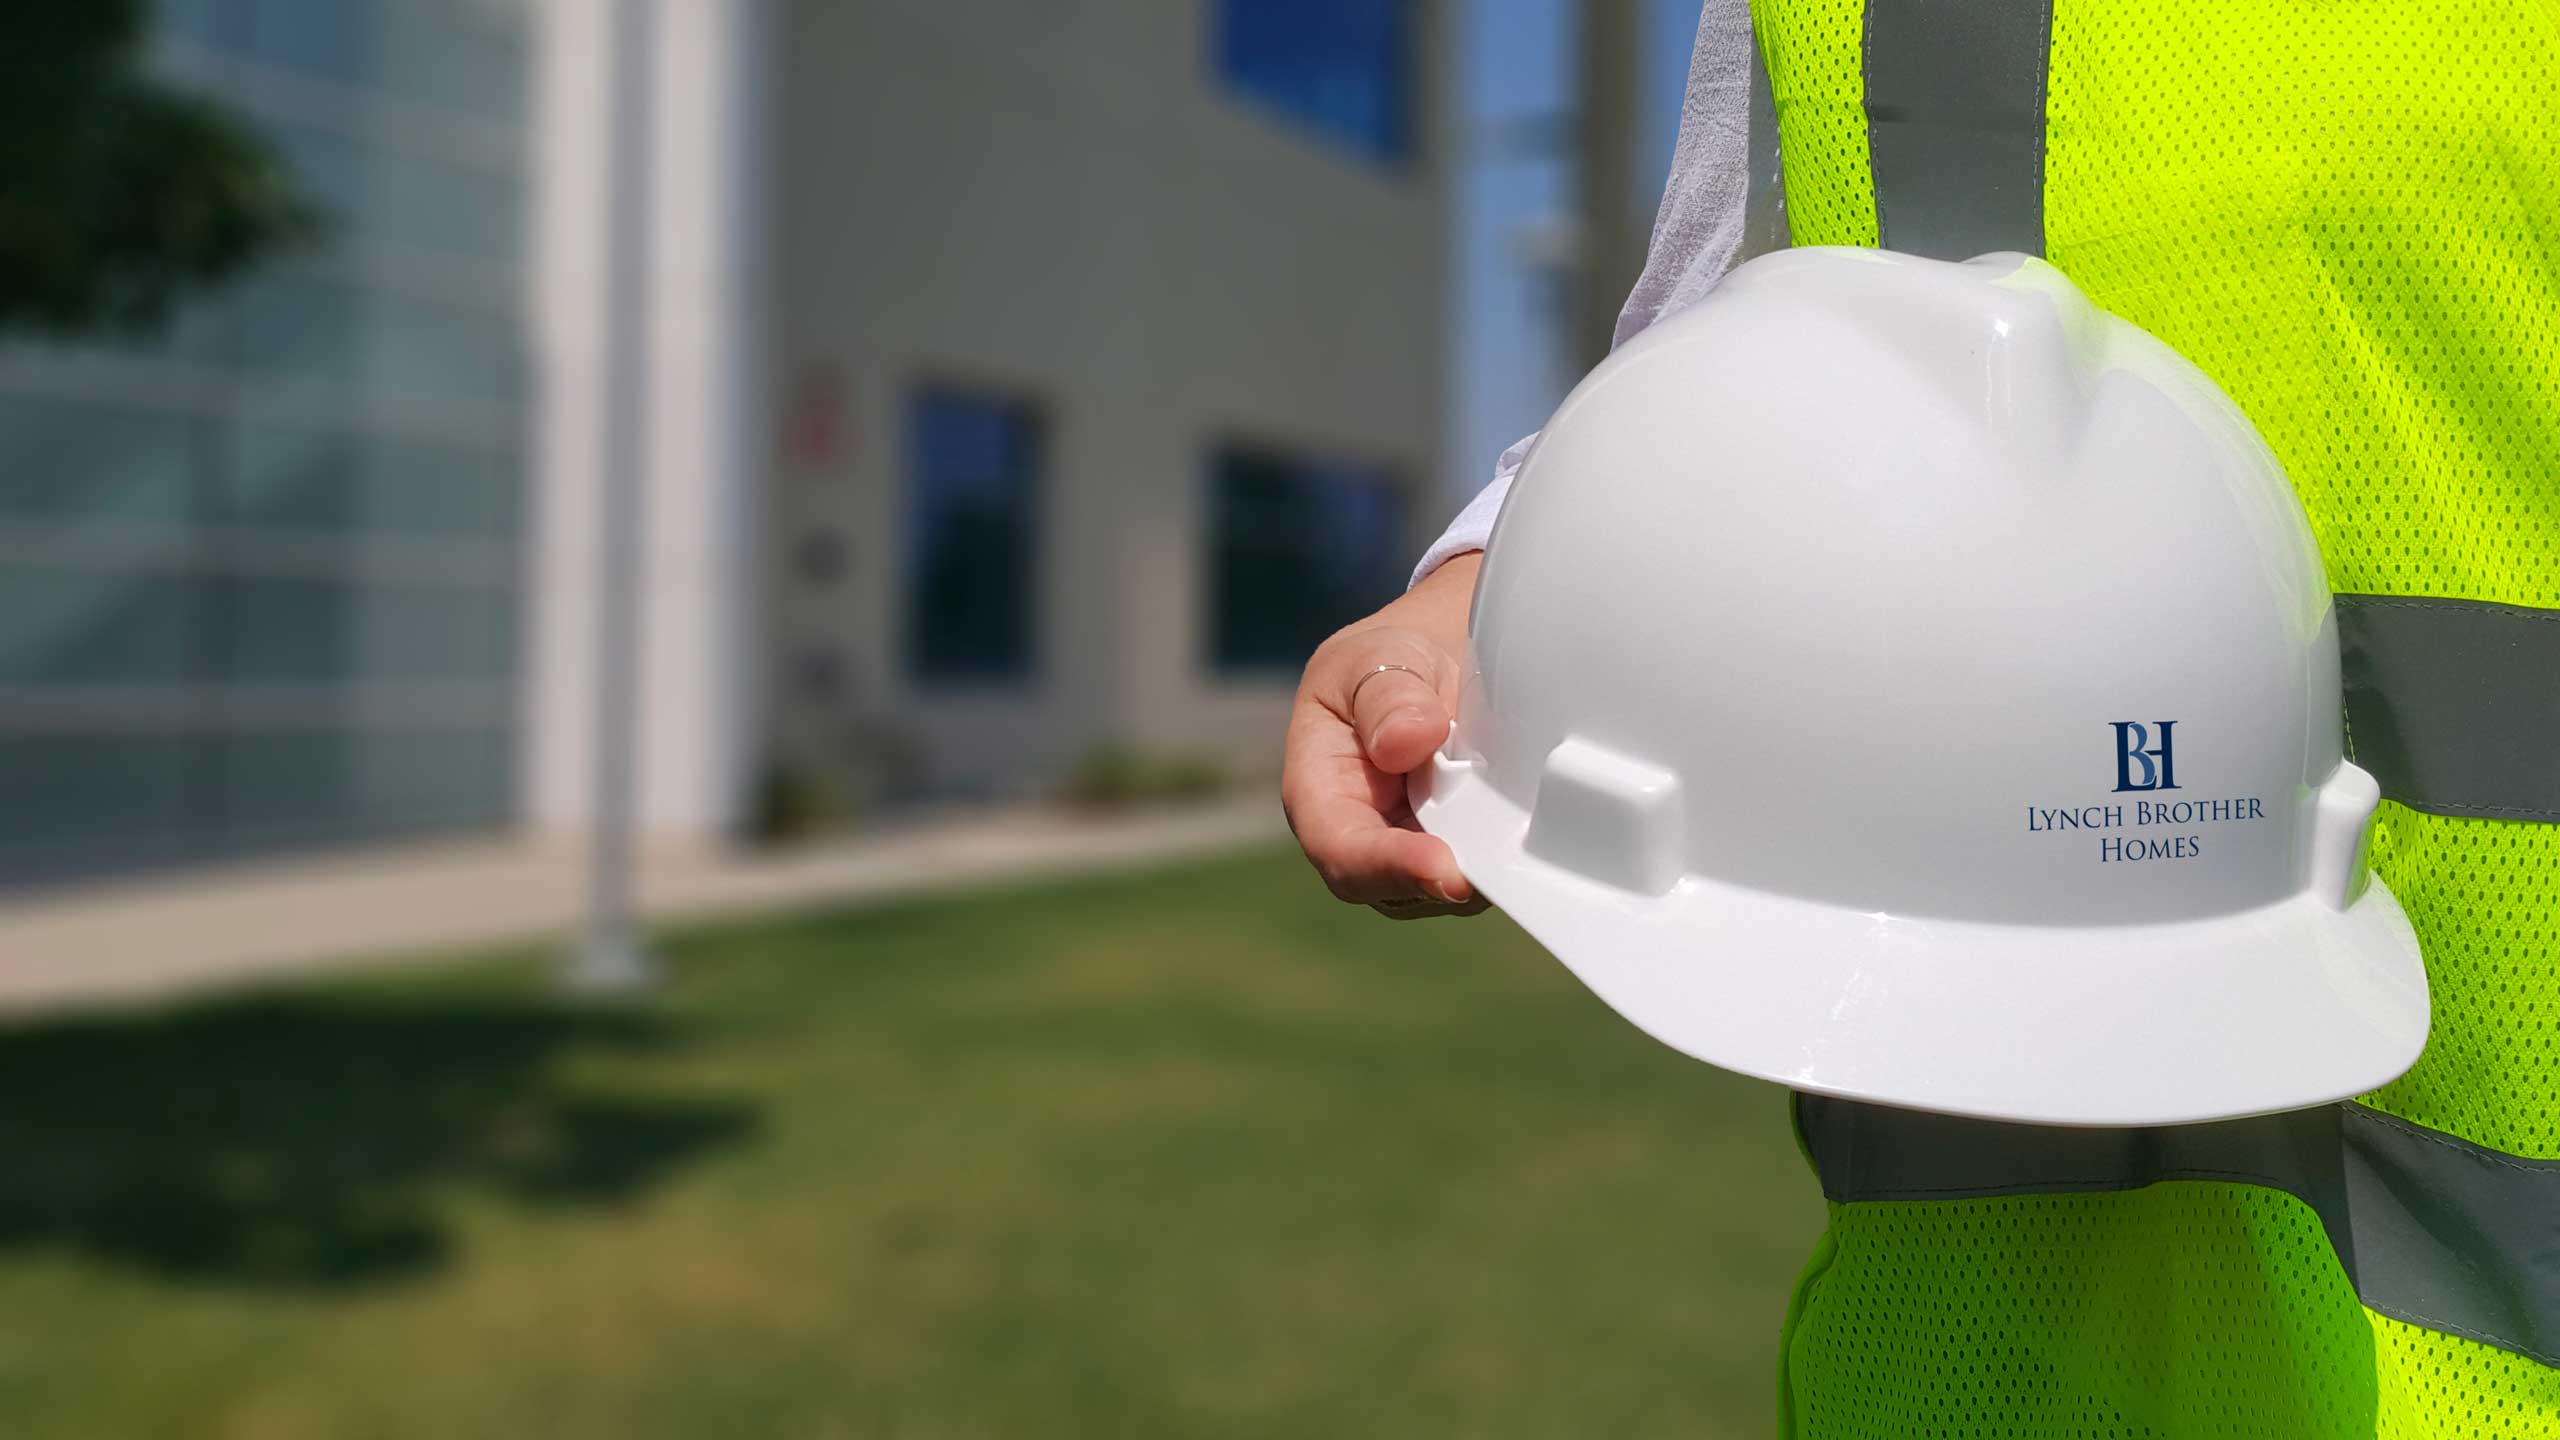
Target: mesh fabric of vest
point(2348, 213)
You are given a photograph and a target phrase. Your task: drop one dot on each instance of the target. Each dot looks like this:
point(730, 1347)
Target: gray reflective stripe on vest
point(2454, 705)
point(1955, 124)
point(2432, 1229)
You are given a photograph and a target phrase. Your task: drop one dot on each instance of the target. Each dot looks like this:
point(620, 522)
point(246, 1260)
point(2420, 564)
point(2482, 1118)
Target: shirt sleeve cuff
point(1474, 525)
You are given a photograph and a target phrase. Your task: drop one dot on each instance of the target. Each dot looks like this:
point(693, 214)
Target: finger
point(1368, 849)
point(1348, 810)
point(1365, 860)
point(1400, 720)
point(1396, 694)
point(1326, 753)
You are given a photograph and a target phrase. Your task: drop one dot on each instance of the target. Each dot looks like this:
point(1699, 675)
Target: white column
point(705, 614)
point(702, 442)
point(571, 192)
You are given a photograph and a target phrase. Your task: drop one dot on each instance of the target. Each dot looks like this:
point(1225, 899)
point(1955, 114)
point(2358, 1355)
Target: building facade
point(1116, 343)
point(984, 382)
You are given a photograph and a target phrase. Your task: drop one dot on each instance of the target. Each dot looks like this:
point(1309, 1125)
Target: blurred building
point(1112, 363)
point(992, 381)
point(259, 574)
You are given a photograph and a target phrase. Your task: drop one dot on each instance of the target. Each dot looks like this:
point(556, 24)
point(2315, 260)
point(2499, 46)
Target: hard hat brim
point(2277, 1008)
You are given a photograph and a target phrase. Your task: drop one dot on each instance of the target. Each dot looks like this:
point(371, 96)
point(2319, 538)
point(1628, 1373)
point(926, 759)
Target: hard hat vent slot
point(1608, 817)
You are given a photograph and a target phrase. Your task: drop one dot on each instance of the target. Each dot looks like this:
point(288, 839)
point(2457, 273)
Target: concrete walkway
point(145, 940)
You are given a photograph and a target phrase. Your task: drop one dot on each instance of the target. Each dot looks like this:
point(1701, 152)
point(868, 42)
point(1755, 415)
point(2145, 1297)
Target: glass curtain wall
point(258, 570)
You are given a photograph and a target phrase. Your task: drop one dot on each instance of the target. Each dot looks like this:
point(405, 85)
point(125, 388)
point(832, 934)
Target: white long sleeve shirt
point(1699, 233)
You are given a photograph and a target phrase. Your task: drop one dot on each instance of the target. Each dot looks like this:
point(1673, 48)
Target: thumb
point(1397, 702)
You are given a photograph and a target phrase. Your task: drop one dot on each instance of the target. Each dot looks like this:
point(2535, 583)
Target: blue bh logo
point(2131, 738)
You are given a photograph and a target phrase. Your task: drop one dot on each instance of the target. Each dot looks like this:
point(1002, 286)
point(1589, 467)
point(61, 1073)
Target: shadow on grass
point(315, 1142)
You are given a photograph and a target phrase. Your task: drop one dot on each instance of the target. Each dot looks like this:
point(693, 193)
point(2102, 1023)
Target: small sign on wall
point(818, 432)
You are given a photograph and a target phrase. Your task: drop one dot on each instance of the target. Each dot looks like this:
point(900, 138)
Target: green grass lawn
point(1199, 1152)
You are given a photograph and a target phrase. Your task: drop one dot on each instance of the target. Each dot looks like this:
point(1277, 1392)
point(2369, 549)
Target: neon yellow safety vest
point(2347, 212)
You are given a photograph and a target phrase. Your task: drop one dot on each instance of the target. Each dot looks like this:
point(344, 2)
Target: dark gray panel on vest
point(1876, 1152)
point(2432, 1229)
point(2454, 705)
point(1955, 124)
point(2453, 1236)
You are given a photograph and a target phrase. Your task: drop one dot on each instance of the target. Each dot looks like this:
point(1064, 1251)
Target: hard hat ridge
point(2002, 339)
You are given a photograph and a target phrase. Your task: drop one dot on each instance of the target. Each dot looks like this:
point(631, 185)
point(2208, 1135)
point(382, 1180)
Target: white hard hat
point(1903, 680)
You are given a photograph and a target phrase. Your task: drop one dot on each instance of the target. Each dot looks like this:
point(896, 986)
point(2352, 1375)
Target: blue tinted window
point(971, 518)
point(1299, 548)
point(1342, 67)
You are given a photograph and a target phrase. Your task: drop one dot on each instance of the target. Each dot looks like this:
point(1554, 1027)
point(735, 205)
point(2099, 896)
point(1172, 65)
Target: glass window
point(464, 55)
point(328, 39)
point(414, 778)
point(216, 24)
point(375, 195)
point(443, 489)
point(297, 779)
point(443, 207)
point(296, 326)
point(1299, 548)
point(72, 799)
point(333, 169)
point(300, 327)
point(201, 330)
point(428, 347)
point(79, 627)
point(63, 462)
point(291, 477)
point(1341, 67)
point(971, 528)
point(287, 630)
point(307, 783)
point(311, 631)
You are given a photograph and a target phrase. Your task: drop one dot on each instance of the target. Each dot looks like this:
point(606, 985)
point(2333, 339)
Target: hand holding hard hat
point(1374, 703)
point(1905, 681)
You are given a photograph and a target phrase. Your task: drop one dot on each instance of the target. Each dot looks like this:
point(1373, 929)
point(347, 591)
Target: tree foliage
point(119, 194)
